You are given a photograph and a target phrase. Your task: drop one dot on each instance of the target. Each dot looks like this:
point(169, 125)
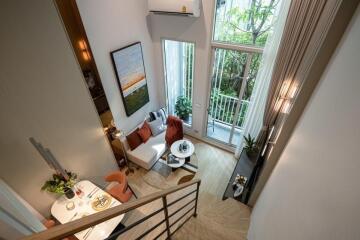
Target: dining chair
point(121, 191)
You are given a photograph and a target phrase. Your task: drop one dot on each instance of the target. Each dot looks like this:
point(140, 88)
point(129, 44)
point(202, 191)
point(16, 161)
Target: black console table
point(243, 167)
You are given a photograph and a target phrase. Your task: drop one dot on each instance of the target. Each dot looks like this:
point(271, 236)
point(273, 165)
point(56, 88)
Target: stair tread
point(217, 219)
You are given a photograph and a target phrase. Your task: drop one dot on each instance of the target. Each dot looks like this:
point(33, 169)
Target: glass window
point(246, 22)
point(179, 75)
point(232, 71)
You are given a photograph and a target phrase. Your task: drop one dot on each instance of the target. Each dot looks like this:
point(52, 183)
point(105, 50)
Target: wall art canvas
point(130, 72)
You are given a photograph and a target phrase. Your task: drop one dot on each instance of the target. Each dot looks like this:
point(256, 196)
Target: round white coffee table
point(185, 155)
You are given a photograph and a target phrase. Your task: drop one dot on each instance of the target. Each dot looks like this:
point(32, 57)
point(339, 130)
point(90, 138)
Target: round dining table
point(82, 205)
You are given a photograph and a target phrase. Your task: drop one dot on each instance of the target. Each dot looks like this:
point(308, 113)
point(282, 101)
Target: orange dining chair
point(121, 191)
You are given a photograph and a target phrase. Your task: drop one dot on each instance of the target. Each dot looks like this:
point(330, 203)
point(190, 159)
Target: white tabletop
point(83, 208)
point(175, 149)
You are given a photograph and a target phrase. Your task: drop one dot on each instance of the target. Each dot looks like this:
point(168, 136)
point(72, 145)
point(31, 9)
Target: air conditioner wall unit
point(175, 7)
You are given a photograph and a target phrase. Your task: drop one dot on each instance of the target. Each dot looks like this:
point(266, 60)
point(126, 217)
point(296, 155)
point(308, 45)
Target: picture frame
point(129, 67)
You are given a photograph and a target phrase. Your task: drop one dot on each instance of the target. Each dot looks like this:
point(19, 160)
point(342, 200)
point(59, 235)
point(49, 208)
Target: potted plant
point(59, 185)
point(251, 147)
point(183, 108)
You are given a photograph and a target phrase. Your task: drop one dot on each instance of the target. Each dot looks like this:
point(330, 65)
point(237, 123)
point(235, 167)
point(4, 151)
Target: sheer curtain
point(174, 72)
point(255, 114)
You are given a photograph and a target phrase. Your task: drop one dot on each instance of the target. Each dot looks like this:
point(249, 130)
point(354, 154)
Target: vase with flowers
point(59, 185)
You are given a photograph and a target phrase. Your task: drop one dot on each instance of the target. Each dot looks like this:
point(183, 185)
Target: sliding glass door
point(241, 29)
point(232, 81)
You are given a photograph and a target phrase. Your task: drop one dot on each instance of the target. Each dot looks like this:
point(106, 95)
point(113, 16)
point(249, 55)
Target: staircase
point(179, 212)
point(216, 219)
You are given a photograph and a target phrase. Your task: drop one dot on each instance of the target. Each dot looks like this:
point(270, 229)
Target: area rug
point(162, 177)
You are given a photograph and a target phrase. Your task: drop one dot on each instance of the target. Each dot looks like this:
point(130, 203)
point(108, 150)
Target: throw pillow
point(134, 140)
point(160, 114)
point(144, 132)
point(156, 127)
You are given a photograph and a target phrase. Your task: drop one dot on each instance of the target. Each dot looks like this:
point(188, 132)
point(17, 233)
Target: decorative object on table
point(101, 202)
point(122, 190)
point(129, 68)
point(70, 205)
point(240, 179)
point(69, 193)
point(184, 147)
point(78, 191)
point(58, 184)
point(183, 108)
point(251, 147)
point(174, 131)
point(239, 185)
point(239, 190)
point(120, 134)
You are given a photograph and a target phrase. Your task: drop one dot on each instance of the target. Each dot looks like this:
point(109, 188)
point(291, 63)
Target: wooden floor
point(214, 169)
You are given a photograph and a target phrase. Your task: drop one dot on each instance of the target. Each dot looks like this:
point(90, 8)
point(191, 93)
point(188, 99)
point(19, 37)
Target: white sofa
point(147, 153)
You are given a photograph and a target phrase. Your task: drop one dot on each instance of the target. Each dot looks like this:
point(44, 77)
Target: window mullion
point(242, 91)
point(242, 48)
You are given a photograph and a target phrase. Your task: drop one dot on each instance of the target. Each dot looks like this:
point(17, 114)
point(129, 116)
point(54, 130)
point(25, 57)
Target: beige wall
point(313, 191)
point(43, 95)
point(110, 25)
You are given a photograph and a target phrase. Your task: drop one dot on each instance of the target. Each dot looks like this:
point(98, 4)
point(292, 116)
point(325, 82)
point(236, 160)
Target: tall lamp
point(118, 134)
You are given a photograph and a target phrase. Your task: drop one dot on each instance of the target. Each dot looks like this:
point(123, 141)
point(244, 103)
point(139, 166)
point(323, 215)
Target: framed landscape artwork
point(130, 72)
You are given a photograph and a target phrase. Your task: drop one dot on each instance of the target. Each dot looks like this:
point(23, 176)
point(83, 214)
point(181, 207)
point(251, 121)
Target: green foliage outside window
point(250, 26)
point(183, 107)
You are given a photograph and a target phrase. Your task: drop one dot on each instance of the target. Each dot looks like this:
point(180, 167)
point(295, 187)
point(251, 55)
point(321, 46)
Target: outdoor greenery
point(58, 184)
point(236, 24)
point(183, 107)
point(189, 49)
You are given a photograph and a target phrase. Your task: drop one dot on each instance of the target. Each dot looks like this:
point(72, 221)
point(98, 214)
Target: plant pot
point(69, 193)
point(185, 118)
point(252, 155)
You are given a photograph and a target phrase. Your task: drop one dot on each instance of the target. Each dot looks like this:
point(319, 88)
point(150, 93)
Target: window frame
point(250, 49)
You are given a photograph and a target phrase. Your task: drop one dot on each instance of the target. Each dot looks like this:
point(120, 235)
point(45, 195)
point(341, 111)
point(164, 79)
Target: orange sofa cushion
point(134, 140)
point(144, 132)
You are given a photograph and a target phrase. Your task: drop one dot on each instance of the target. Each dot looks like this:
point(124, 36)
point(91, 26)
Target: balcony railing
point(223, 109)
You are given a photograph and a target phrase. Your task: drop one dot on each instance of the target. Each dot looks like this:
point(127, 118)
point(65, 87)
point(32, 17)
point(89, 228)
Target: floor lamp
point(120, 134)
